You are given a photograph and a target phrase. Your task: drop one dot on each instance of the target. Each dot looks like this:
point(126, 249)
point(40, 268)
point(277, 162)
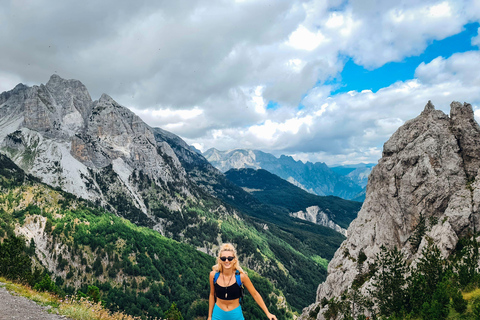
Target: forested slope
point(50, 232)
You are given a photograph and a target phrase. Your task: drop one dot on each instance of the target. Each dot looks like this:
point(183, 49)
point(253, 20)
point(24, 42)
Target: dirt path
point(16, 308)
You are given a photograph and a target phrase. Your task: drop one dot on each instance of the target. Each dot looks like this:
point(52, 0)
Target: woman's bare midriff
point(228, 305)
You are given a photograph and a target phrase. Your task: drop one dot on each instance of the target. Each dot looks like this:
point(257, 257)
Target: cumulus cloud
point(352, 127)
point(211, 70)
point(476, 40)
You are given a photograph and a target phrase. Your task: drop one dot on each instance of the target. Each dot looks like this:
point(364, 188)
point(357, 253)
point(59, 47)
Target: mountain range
point(101, 152)
point(317, 178)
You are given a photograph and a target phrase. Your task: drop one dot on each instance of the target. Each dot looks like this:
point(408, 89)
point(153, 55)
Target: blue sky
point(358, 78)
point(320, 80)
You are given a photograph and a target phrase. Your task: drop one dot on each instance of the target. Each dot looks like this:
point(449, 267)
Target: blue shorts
point(235, 314)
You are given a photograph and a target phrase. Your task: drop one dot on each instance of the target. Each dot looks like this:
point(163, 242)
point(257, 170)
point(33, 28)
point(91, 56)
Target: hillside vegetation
point(48, 233)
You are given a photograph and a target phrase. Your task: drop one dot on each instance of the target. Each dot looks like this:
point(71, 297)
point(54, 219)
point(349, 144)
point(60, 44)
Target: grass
point(321, 261)
point(472, 294)
point(72, 307)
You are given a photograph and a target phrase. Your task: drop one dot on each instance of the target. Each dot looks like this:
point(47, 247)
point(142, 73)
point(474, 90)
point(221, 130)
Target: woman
point(226, 289)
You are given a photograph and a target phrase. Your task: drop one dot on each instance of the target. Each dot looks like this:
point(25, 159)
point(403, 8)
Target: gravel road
point(16, 308)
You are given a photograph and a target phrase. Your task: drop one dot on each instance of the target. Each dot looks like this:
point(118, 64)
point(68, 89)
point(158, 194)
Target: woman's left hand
point(271, 316)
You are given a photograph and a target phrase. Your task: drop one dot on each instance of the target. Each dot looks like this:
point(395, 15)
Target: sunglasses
point(227, 258)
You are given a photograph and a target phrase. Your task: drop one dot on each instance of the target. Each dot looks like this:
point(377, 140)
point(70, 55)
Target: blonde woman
point(225, 288)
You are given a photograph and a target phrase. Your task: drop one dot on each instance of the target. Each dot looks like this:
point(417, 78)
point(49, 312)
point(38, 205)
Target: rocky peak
point(11, 112)
point(428, 172)
point(105, 98)
point(4, 96)
point(71, 95)
point(98, 150)
point(429, 107)
point(56, 109)
point(467, 132)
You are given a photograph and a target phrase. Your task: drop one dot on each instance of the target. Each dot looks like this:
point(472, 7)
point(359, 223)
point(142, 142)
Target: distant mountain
point(315, 178)
point(358, 173)
point(332, 212)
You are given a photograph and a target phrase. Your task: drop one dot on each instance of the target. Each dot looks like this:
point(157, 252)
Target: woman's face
point(227, 256)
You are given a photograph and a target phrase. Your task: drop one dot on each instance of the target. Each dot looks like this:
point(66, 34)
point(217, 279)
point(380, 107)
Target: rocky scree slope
point(429, 169)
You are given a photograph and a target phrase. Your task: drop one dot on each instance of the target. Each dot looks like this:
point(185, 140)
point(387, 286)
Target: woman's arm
point(256, 296)
point(211, 298)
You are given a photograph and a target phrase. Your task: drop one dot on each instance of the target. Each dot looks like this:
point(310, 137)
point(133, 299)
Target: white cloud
point(304, 39)
point(8, 81)
point(441, 10)
point(167, 115)
point(392, 30)
point(476, 40)
point(336, 20)
point(461, 67)
point(352, 127)
point(217, 64)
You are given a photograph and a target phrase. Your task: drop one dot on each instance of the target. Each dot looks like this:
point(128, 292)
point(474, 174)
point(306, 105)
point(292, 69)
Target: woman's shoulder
point(243, 275)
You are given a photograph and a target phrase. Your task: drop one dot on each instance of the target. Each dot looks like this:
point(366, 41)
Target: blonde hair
point(227, 247)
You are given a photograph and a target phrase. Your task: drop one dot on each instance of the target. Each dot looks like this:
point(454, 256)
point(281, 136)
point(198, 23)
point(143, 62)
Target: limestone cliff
point(429, 169)
point(98, 150)
point(316, 215)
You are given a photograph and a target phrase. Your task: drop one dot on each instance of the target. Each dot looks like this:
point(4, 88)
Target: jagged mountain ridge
point(315, 178)
point(56, 132)
point(332, 212)
point(429, 170)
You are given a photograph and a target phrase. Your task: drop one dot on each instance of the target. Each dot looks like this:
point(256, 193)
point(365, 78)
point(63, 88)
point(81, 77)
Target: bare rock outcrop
point(316, 215)
point(429, 170)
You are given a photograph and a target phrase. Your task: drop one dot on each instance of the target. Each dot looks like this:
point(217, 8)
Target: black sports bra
point(228, 293)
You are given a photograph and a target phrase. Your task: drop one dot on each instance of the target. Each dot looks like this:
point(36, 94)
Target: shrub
point(459, 303)
point(46, 285)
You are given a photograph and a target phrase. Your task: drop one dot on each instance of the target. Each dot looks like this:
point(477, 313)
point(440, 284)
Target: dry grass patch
point(471, 295)
point(74, 308)
point(42, 298)
point(84, 309)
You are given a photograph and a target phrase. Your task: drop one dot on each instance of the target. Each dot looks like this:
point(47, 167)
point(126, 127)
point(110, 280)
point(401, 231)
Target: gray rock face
point(316, 215)
point(429, 168)
point(98, 150)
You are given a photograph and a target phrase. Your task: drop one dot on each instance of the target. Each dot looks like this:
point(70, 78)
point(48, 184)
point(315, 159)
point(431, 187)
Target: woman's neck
point(228, 273)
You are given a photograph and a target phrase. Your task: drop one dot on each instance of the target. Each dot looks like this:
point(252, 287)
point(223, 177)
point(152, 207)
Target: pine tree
point(15, 264)
point(468, 268)
point(173, 313)
point(389, 282)
point(426, 278)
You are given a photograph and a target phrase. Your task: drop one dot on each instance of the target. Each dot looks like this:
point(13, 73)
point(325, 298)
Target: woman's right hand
point(271, 316)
